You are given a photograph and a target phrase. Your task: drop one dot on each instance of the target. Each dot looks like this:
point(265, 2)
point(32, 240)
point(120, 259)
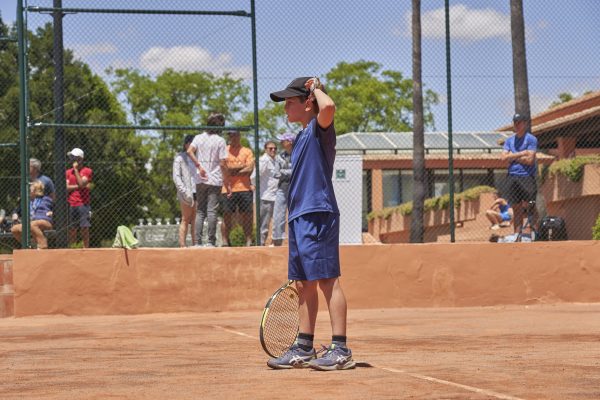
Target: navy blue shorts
point(314, 244)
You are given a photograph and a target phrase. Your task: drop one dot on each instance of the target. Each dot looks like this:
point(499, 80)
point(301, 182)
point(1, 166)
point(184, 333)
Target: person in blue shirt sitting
point(500, 213)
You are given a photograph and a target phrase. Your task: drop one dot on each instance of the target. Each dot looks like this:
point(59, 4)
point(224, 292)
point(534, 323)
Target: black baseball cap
point(520, 117)
point(294, 89)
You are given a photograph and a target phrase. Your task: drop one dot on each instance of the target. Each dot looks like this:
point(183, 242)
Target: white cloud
point(191, 58)
point(465, 23)
point(87, 50)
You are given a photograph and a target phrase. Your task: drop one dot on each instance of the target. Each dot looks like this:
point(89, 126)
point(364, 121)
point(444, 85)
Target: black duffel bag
point(552, 228)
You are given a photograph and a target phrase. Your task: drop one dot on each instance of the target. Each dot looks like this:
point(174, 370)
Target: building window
point(397, 187)
point(391, 187)
point(474, 177)
point(499, 178)
point(440, 182)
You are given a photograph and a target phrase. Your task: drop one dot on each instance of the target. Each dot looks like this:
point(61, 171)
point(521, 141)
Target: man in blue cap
point(520, 189)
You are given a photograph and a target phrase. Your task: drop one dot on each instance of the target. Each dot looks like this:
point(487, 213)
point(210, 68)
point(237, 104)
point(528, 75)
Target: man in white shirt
point(208, 152)
point(267, 189)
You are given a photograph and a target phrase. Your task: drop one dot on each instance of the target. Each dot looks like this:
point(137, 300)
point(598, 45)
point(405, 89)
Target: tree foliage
point(175, 98)
point(132, 169)
point(565, 97)
point(117, 157)
point(370, 99)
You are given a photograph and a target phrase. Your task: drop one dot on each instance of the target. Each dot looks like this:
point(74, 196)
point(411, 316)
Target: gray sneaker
point(294, 357)
point(335, 357)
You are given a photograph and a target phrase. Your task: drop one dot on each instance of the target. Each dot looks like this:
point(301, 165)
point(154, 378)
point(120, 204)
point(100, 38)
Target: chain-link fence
point(124, 70)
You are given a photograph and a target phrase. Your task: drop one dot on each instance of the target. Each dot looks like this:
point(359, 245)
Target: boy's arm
point(325, 103)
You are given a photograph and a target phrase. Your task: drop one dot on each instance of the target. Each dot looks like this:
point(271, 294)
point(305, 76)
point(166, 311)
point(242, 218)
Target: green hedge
point(596, 229)
point(572, 168)
point(432, 204)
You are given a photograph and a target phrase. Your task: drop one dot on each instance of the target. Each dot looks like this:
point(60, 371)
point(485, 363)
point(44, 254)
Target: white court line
point(412, 374)
point(234, 332)
point(458, 385)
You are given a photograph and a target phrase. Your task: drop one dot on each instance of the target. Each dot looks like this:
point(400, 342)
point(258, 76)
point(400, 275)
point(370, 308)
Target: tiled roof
point(564, 114)
point(444, 156)
point(394, 142)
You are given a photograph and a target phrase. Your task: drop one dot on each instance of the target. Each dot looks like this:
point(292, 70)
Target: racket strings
point(281, 325)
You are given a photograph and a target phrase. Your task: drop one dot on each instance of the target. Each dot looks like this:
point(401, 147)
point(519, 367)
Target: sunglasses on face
point(271, 148)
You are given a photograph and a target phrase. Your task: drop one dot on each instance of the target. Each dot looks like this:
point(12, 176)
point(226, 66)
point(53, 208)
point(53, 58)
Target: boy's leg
point(336, 303)
point(338, 355)
point(301, 352)
point(309, 305)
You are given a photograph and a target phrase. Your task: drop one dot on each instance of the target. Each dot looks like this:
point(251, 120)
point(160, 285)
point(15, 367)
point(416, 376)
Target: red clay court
point(512, 352)
point(189, 330)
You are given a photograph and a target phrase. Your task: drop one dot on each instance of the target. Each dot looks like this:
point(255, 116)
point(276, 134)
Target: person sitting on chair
point(500, 213)
point(40, 207)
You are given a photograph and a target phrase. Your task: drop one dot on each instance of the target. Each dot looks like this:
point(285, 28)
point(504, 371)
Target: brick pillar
point(376, 189)
point(566, 147)
point(7, 294)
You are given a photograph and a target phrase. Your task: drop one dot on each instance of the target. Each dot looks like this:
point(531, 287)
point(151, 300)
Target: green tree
point(272, 120)
point(175, 98)
point(565, 97)
point(371, 99)
point(117, 157)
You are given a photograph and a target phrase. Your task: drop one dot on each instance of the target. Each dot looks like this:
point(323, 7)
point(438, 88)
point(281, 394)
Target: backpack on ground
point(552, 228)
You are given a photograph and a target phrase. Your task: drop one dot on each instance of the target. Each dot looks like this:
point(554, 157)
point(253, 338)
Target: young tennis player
point(313, 222)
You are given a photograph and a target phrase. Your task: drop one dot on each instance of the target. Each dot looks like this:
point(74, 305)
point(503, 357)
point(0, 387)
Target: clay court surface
point(509, 352)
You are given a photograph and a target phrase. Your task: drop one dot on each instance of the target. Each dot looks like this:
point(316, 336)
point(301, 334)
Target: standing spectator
point(267, 189)
point(185, 182)
point(237, 193)
point(40, 215)
point(79, 179)
point(208, 152)
point(35, 168)
point(519, 151)
point(283, 172)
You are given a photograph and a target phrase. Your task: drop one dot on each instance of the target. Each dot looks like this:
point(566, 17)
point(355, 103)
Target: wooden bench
point(8, 241)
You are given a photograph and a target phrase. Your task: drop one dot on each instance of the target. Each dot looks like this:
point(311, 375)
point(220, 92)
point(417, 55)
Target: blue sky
point(311, 37)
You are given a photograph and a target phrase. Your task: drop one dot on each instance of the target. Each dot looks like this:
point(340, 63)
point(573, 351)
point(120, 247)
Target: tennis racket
point(280, 320)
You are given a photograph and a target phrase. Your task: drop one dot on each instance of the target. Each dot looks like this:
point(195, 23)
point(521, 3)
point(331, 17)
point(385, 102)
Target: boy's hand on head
point(312, 84)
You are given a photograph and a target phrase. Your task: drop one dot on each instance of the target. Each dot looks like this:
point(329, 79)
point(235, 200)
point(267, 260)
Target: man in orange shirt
point(238, 196)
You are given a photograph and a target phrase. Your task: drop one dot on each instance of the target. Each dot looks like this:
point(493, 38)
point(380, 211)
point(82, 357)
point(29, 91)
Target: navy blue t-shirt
point(514, 145)
point(311, 189)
